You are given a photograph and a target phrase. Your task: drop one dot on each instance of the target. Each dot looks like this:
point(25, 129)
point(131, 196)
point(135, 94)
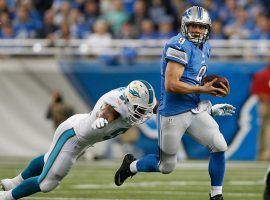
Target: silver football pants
point(201, 126)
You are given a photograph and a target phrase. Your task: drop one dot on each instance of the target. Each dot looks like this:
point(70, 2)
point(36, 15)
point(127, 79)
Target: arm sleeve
point(177, 52)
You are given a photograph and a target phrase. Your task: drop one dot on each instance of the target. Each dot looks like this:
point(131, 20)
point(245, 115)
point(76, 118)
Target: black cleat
point(124, 172)
point(216, 197)
point(266, 194)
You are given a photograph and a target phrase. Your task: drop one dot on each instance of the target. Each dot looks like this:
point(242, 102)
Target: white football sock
point(215, 190)
point(133, 167)
point(6, 195)
point(9, 195)
point(12, 183)
point(18, 179)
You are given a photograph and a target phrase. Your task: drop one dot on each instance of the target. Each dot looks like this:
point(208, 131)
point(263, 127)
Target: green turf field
point(190, 181)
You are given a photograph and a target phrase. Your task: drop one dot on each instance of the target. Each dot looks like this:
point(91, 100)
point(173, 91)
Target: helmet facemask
point(139, 114)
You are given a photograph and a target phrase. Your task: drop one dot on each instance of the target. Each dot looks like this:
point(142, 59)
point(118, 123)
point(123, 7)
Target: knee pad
point(166, 168)
point(48, 185)
point(219, 143)
point(51, 181)
point(170, 144)
point(167, 164)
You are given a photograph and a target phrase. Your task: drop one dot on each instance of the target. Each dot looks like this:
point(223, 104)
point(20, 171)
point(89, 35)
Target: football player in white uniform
point(114, 113)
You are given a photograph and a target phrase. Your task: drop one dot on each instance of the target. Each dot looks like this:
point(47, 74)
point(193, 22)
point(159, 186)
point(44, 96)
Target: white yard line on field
point(160, 183)
point(183, 164)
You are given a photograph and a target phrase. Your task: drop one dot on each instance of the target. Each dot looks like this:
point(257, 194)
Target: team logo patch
point(134, 93)
point(187, 13)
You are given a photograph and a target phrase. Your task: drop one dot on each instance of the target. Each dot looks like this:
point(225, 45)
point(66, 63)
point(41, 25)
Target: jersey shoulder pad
point(178, 49)
point(116, 99)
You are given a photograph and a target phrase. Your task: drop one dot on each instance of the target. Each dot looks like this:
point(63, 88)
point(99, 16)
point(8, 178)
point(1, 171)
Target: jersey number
point(201, 73)
point(115, 133)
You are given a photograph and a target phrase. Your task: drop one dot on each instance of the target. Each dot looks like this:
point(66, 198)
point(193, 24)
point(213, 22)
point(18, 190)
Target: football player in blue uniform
point(184, 63)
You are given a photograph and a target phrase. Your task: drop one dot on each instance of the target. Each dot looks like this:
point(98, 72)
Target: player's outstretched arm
point(174, 72)
point(106, 115)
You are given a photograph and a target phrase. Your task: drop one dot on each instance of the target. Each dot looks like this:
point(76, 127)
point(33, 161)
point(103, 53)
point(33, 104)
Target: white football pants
point(62, 155)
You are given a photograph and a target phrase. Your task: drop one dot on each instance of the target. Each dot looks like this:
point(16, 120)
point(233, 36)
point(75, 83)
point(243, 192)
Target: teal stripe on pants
point(55, 152)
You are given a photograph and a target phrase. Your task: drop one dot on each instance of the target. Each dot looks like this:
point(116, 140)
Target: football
point(220, 79)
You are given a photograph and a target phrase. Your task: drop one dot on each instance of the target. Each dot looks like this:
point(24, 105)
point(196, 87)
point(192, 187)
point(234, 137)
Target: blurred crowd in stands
point(128, 19)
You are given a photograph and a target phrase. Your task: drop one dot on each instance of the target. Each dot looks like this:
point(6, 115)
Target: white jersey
point(75, 134)
point(82, 122)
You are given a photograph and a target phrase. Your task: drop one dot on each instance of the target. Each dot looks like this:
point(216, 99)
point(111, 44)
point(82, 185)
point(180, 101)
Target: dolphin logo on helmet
point(134, 92)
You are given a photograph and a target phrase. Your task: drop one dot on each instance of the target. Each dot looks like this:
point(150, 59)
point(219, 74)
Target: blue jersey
point(179, 49)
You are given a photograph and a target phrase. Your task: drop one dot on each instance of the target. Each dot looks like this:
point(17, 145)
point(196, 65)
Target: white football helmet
point(196, 15)
point(141, 100)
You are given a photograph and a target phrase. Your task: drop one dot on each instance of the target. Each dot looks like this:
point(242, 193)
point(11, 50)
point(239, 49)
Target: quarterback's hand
point(99, 123)
point(223, 110)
